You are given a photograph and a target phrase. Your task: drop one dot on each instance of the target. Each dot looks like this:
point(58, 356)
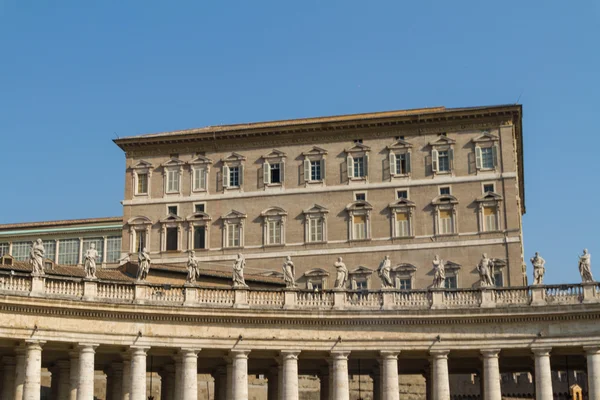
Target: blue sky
point(74, 75)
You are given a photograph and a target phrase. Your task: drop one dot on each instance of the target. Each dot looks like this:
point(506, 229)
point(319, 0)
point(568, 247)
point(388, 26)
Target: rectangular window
point(445, 190)
point(360, 196)
point(498, 279)
point(401, 164)
point(451, 282)
point(234, 176)
point(172, 210)
point(199, 179)
point(446, 223)
point(359, 223)
point(405, 284)
point(173, 181)
point(402, 194)
point(315, 170)
point(199, 237)
point(20, 250)
point(50, 248)
point(68, 253)
point(140, 240)
point(113, 249)
point(488, 187)
point(443, 161)
point(275, 171)
point(99, 244)
point(361, 284)
point(487, 158)
point(172, 239)
point(402, 227)
point(274, 232)
point(359, 167)
point(317, 286)
point(316, 229)
point(233, 235)
point(200, 207)
point(490, 219)
point(4, 248)
point(142, 183)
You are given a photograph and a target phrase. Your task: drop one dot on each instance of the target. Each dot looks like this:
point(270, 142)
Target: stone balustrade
point(385, 299)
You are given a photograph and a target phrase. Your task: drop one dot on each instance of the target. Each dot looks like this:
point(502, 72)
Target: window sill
point(199, 191)
point(274, 245)
point(442, 172)
point(403, 237)
point(233, 248)
point(171, 251)
point(200, 250)
point(442, 235)
point(400, 176)
point(172, 193)
point(362, 179)
point(319, 182)
point(316, 242)
point(360, 240)
point(232, 188)
point(494, 231)
point(141, 194)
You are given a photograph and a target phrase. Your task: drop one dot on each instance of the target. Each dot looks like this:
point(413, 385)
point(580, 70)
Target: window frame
point(136, 225)
point(200, 163)
point(270, 216)
point(443, 143)
point(171, 222)
point(486, 141)
point(488, 200)
point(360, 274)
point(235, 160)
point(359, 208)
point(404, 206)
point(316, 155)
point(233, 218)
point(358, 151)
point(398, 148)
point(195, 220)
point(142, 167)
point(445, 203)
point(316, 212)
point(175, 166)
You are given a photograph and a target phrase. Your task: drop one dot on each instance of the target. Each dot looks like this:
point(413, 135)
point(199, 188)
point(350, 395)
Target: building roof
point(60, 223)
point(212, 273)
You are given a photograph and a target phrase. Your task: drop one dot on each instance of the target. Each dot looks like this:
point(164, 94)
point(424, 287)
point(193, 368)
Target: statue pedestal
point(538, 296)
point(437, 298)
point(190, 294)
point(590, 292)
point(240, 297)
point(339, 298)
point(141, 292)
point(289, 298)
point(387, 295)
point(487, 297)
point(38, 285)
point(90, 288)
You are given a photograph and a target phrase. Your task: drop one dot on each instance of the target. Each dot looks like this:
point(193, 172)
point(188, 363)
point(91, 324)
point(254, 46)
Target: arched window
point(273, 226)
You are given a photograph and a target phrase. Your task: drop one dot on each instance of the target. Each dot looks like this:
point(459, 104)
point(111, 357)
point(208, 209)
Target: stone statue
point(238, 271)
point(289, 273)
point(585, 267)
point(90, 261)
point(485, 271)
point(384, 272)
point(144, 261)
point(192, 267)
point(439, 273)
point(36, 257)
point(538, 269)
point(342, 274)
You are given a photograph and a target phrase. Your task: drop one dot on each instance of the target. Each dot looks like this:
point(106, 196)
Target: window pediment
point(200, 160)
point(171, 218)
point(273, 212)
point(316, 272)
point(275, 154)
point(315, 151)
point(485, 137)
point(444, 199)
point(359, 206)
point(401, 203)
point(442, 141)
point(316, 209)
point(358, 148)
point(273, 274)
point(234, 157)
point(399, 144)
point(361, 271)
point(233, 214)
point(139, 220)
point(173, 162)
point(404, 268)
point(489, 196)
point(451, 266)
point(142, 165)
point(198, 216)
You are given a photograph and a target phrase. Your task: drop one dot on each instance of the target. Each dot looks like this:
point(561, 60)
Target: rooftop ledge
point(111, 292)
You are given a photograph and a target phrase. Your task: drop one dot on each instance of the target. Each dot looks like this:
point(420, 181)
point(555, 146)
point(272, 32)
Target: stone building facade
point(408, 184)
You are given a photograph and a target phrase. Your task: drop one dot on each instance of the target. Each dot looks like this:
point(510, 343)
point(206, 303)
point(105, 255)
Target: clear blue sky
point(74, 74)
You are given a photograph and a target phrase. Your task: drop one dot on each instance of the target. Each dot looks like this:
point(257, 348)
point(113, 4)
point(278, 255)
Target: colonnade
point(73, 378)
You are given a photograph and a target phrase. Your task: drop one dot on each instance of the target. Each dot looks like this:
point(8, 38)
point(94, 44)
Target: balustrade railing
point(98, 290)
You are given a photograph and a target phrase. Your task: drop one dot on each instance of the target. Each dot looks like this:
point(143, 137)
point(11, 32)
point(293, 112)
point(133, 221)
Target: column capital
point(35, 344)
point(541, 351)
point(188, 352)
point(591, 350)
point(339, 354)
point(138, 350)
point(289, 354)
point(239, 353)
point(387, 354)
point(490, 353)
point(439, 353)
point(87, 347)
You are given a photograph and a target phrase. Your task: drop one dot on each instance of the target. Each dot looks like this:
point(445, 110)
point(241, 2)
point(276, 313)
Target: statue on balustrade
point(238, 271)
point(144, 261)
point(539, 269)
point(342, 274)
point(192, 267)
point(439, 273)
point(585, 267)
point(485, 268)
point(289, 273)
point(90, 261)
point(384, 272)
point(36, 257)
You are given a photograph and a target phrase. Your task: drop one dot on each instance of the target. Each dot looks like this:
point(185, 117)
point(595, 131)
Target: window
point(142, 183)
point(113, 249)
point(498, 279)
point(273, 225)
point(20, 251)
point(489, 212)
point(359, 223)
point(272, 173)
point(405, 284)
point(274, 232)
point(358, 141)
point(444, 161)
point(402, 224)
point(315, 285)
point(359, 167)
point(68, 252)
point(50, 248)
point(401, 194)
point(173, 181)
point(234, 177)
point(316, 229)
point(233, 235)
point(357, 161)
point(451, 282)
point(172, 210)
point(199, 179)
point(200, 207)
point(360, 196)
point(140, 240)
point(400, 163)
point(445, 190)
point(361, 284)
point(487, 158)
point(199, 237)
point(490, 218)
point(99, 244)
point(172, 239)
point(442, 154)
point(4, 248)
point(445, 221)
point(488, 187)
point(315, 170)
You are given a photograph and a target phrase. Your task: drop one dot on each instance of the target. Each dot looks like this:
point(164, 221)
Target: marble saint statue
point(539, 269)
point(585, 267)
point(36, 257)
point(144, 261)
point(238, 271)
point(439, 273)
point(192, 267)
point(384, 272)
point(90, 261)
point(341, 274)
point(485, 267)
point(289, 273)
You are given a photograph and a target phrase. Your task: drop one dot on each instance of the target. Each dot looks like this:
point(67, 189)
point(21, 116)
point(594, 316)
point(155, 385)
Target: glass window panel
point(50, 248)
point(451, 282)
point(4, 248)
point(488, 188)
point(402, 194)
point(443, 161)
point(68, 252)
point(315, 170)
point(275, 173)
point(99, 242)
point(233, 235)
point(400, 164)
point(199, 179)
point(199, 237)
point(199, 208)
point(113, 249)
point(234, 176)
point(20, 250)
point(405, 284)
point(142, 183)
point(487, 158)
point(359, 167)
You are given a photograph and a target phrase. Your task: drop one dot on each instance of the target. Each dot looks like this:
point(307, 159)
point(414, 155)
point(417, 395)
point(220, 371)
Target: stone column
point(289, 360)
point(138, 373)
point(229, 369)
point(273, 384)
point(64, 379)
point(117, 381)
point(73, 374)
point(8, 377)
point(491, 375)
point(126, 387)
point(189, 361)
point(167, 383)
point(543, 374)
point(178, 392)
point(20, 373)
point(33, 370)
point(240, 374)
point(85, 389)
point(441, 381)
point(389, 375)
point(324, 385)
point(221, 383)
point(341, 386)
point(593, 371)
